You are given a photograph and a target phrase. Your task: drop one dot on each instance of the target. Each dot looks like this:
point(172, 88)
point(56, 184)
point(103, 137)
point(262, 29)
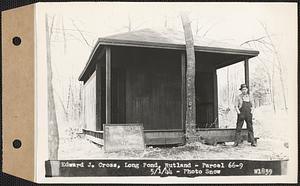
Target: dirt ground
point(272, 145)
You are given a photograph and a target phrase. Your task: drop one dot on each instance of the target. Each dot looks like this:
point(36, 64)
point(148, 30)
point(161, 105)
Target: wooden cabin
point(139, 77)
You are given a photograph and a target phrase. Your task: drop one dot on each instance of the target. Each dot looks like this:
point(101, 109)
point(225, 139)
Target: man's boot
point(254, 144)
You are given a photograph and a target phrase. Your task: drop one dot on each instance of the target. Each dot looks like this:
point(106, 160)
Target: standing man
point(244, 108)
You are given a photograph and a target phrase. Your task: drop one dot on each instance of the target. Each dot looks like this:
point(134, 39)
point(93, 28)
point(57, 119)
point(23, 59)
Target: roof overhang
point(115, 42)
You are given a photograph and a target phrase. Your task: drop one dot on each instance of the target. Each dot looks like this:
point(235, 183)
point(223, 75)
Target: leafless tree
point(279, 65)
point(71, 101)
point(228, 86)
point(166, 21)
point(53, 135)
point(64, 34)
point(190, 75)
point(132, 25)
point(81, 34)
point(266, 44)
point(129, 23)
point(198, 27)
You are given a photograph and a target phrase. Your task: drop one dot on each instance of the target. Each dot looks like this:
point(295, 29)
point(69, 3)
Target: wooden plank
point(165, 141)
point(108, 85)
point(89, 97)
point(212, 136)
point(95, 140)
point(155, 141)
point(97, 134)
point(176, 140)
point(165, 130)
point(246, 66)
point(164, 138)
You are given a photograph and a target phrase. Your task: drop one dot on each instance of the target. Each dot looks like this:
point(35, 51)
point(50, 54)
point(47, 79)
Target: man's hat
point(243, 86)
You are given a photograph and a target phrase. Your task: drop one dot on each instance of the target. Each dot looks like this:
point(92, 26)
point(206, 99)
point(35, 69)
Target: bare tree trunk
point(282, 85)
point(273, 87)
point(270, 84)
point(190, 76)
point(53, 136)
point(63, 106)
point(64, 34)
point(197, 28)
point(279, 66)
point(129, 23)
point(166, 21)
point(228, 90)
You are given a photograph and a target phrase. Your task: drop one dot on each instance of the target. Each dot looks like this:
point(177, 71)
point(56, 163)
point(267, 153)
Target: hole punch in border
point(16, 41)
point(17, 143)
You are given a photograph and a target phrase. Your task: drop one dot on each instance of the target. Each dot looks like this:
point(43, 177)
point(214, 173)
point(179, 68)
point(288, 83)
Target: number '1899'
point(263, 171)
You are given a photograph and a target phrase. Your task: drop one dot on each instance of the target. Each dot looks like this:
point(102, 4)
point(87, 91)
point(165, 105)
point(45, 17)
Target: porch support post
point(108, 84)
point(216, 112)
point(183, 90)
point(246, 66)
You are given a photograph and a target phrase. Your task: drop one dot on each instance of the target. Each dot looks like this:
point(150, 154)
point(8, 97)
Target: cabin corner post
point(108, 84)
point(98, 96)
point(246, 67)
point(183, 90)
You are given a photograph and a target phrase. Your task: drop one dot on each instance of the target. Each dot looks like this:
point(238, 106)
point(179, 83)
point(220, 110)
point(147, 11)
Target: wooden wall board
point(153, 89)
point(90, 103)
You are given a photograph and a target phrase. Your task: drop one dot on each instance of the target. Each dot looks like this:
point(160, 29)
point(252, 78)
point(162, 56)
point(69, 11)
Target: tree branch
point(253, 40)
point(51, 28)
point(87, 43)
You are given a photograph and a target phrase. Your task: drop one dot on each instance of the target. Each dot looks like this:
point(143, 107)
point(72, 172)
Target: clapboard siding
point(90, 103)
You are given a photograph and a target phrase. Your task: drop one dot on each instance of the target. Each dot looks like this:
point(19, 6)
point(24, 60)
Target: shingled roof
point(167, 39)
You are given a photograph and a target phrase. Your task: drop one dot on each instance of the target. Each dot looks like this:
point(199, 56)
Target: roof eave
point(115, 42)
point(89, 61)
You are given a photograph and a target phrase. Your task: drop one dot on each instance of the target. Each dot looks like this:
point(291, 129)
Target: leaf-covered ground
point(272, 145)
